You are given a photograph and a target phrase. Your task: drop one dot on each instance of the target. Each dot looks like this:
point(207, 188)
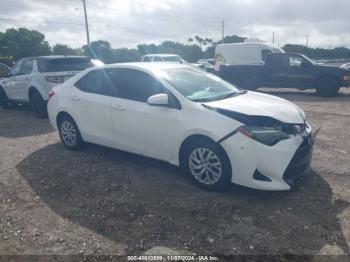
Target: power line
point(39, 21)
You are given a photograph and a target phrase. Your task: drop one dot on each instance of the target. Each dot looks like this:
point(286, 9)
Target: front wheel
point(207, 165)
point(69, 133)
point(327, 86)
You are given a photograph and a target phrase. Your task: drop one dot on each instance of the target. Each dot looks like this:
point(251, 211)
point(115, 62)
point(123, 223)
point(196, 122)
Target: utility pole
point(273, 37)
point(86, 24)
point(223, 30)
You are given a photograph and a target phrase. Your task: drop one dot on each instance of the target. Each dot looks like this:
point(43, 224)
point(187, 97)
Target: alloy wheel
point(205, 166)
point(68, 133)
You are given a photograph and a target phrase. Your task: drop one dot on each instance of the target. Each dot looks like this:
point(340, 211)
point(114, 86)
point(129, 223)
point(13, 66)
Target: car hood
point(257, 104)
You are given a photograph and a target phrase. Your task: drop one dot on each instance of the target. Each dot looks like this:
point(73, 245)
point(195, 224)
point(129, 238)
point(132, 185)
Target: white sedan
point(216, 132)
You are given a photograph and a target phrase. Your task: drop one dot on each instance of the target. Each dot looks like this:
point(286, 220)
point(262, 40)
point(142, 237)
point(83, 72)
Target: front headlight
point(346, 78)
point(269, 136)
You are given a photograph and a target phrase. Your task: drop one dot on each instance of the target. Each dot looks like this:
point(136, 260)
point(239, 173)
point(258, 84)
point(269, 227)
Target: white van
point(244, 53)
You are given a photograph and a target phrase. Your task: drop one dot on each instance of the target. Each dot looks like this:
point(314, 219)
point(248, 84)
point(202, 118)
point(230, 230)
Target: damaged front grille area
point(301, 162)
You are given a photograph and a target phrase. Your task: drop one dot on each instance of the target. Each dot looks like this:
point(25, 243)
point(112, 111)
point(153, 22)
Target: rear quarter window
point(99, 82)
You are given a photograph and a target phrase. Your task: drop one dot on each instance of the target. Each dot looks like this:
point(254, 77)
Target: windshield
point(64, 64)
point(198, 85)
point(172, 58)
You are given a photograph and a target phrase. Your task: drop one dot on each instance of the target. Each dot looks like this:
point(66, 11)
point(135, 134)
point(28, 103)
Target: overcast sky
point(126, 23)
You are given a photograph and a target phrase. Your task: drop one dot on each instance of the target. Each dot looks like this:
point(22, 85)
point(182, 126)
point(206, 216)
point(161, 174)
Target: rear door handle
point(118, 107)
point(75, 98)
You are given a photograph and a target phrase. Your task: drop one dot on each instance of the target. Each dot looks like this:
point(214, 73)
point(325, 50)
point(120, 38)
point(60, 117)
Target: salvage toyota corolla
point(216, 132)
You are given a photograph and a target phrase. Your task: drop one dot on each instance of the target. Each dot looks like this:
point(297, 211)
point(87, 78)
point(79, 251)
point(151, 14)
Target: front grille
point(300, 164)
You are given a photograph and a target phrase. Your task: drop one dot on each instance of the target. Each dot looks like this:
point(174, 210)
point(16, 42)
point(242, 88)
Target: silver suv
point(31, 79)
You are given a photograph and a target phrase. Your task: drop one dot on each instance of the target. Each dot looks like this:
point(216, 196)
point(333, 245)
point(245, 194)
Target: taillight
point(51, 94)
point(55, 79)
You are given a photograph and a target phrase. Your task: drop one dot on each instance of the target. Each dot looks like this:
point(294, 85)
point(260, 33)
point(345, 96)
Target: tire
point(4, 102)
point(69, 133)
point(39, 105)
point(327, 86)
point(214, 171)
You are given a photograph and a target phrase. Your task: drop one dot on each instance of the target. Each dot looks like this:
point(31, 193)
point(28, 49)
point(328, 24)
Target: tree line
point(22, 42)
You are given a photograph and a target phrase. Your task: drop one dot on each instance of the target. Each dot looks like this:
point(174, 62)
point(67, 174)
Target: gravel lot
point(103, 201)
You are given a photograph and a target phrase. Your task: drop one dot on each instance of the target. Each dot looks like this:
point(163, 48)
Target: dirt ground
point(103, 201)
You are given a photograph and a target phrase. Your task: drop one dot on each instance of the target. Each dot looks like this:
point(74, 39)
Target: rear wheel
point(4, 102)
point(207, 165)
point(327, 86)
point(39, 105)
point(69, 133)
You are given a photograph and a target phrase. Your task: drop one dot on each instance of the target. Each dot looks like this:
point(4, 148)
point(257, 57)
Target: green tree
point(60, 49)
point(123, 55)
point(232, 39)
point(100, 50)
point(23, 43)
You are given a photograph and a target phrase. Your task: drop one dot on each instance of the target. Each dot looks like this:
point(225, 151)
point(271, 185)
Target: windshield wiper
point(232, 94)
point(240, 92)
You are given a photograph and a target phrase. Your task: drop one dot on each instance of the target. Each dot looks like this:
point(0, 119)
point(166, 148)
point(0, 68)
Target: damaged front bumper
point(264, 167)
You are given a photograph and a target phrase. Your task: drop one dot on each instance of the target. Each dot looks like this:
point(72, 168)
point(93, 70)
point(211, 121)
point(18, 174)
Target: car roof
point(147, 66)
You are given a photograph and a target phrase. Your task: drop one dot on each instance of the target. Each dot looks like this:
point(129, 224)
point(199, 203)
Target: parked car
point(279, 69)
point(30, 80)
point(169, 58)
point(207, 64)
point(345, 66)
point(216, 132)
point(163, 58)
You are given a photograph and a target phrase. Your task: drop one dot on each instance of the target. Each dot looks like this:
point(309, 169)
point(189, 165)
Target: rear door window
point(99, 82)
point(157, 59)
point(64, 64)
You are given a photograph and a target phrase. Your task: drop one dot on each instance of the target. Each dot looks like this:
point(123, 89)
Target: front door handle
point(75, 98)
point(118, 107)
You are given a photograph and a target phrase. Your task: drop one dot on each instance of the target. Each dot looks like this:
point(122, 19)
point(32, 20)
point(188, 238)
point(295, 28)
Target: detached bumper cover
point(301, 162)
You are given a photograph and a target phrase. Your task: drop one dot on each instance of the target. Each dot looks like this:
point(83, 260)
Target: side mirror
point(158, 100)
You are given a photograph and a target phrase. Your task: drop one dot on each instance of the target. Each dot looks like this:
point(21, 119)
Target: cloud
point(128, 23)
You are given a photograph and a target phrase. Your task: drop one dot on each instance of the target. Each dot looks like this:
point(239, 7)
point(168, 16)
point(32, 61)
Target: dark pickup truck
point(288, 70)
